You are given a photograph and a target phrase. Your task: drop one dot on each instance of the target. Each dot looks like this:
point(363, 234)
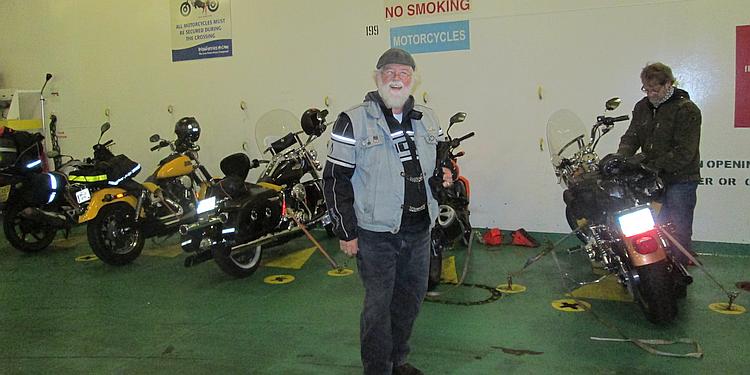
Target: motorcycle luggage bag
point(8, 152)
point(255, 214)
point(110, 172)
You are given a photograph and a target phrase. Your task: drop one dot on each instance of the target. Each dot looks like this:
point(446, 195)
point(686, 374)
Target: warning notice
point(742, 84)
point(400, 9)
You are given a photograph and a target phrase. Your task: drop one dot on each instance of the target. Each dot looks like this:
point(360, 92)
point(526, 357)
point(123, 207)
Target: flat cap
point(395, 56)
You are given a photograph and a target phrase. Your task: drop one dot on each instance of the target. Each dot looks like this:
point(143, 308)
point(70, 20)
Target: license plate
point(4, 193)
point(83, 195)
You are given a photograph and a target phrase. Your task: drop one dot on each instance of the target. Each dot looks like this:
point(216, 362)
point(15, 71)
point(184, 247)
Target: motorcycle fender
point(638, 259)
point(270, 186)
point(150, 186)
point(98, 201)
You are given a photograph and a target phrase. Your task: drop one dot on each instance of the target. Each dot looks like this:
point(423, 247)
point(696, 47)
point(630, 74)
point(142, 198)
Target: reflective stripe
point(8, 149)
point(343, 139)
point(340, 162)
point(101, 177)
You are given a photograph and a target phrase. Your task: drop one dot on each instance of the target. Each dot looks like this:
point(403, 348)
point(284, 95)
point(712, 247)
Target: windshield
point(273, 125)
point(564, 129)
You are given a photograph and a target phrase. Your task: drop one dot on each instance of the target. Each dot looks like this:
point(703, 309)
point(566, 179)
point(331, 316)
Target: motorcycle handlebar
point(613, 120)
point(161, 144)
point(457, 141)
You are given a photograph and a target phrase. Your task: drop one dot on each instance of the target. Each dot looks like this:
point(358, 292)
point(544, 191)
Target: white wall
point(291, 54)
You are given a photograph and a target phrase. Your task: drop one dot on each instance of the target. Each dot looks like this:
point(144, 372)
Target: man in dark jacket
point(666, 127)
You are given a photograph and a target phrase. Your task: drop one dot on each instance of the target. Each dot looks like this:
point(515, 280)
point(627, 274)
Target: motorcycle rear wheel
point(656, 293)
point(185, 9)
point(24, 234)
point(213, 5)
point(240, 264)
point(114, 236)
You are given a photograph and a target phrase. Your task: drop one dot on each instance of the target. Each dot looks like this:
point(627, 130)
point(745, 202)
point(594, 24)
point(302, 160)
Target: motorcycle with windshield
point(240, 220)
point(452, 222)
point(121, 216)
point(41, 203)
point(609, 206)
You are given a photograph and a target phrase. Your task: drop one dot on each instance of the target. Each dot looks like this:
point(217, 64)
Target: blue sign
point(433, 37)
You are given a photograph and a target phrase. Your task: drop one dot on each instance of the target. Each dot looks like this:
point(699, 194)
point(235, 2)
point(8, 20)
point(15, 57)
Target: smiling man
point(382, 208)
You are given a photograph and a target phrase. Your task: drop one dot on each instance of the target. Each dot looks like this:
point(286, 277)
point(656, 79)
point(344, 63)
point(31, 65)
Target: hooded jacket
point(668, 136)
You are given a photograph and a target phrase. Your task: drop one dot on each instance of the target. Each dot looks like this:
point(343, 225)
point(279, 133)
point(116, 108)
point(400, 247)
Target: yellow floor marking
point(339, 272)
point(570, 305)
point(294, 260)
point(170, 251)
point(449, 274)
point(278, 279)
point(721, 308)
point(607, 289)
point(86, 258)
point(514, 288)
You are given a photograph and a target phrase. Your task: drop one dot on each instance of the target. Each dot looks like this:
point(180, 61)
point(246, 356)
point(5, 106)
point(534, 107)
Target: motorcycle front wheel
point(114, 236)
point(25, 234)
point(656, 292)
point(213, 5)
point(239, 264)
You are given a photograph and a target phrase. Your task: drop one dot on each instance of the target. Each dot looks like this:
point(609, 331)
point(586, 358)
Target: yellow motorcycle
point(164, 201)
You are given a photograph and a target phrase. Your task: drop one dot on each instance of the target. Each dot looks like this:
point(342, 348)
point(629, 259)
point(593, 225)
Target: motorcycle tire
point(656, 293)
point(114, 236)
point(436, 270)
point(213, 5)
point(329, 231)
point(23, 234)
point(185, 9)
point(437, 246)
point(240, 264)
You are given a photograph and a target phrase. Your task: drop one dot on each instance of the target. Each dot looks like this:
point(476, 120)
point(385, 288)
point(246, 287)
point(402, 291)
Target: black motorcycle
point(608, 205)
point(239, 220)
point(41, 203)
point(452, 222)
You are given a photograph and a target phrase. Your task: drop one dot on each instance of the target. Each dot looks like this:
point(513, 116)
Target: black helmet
point(313, 121)
point(187, 129)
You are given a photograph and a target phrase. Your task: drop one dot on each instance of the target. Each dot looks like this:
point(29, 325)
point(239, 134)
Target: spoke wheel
point(114, 236)
point(239, 264)
point(24, 234)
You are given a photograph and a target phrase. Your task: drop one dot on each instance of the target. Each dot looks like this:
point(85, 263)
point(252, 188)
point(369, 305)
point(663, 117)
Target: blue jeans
point(393, 269)
point(678, 207)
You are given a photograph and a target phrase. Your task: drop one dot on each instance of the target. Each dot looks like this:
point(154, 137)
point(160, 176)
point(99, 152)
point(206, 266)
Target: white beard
point(394, 100)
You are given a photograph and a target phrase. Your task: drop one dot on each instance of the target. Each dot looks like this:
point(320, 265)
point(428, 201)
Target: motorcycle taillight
point(647, 244)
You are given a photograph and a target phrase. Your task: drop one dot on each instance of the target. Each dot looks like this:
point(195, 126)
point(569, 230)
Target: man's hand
point(447, 177)
point(350, 247)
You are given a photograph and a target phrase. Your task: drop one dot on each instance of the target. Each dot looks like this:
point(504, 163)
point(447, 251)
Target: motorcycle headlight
point(206, 205)
point(635, 221)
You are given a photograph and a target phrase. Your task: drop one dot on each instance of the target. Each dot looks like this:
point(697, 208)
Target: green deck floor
point(59, 316)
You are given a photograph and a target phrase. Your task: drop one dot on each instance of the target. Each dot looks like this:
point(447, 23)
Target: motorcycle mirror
point(154, 138)
point(102, 130)
point(458, 117)
point(612, 104)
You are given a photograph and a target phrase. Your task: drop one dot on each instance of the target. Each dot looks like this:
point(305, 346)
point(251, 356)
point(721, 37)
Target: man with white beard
point(380, 156)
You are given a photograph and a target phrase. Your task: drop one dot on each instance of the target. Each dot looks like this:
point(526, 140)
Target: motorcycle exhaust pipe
point(218, 219)
point(267, 239)
point(44, 217)
point(687, 278)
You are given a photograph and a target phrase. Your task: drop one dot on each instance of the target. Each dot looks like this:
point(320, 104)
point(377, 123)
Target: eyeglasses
point(390, 74)
point(652, 88)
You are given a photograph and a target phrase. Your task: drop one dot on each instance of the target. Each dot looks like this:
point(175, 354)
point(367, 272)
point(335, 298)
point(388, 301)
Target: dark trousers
point(678, 207)
point(393, 269)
